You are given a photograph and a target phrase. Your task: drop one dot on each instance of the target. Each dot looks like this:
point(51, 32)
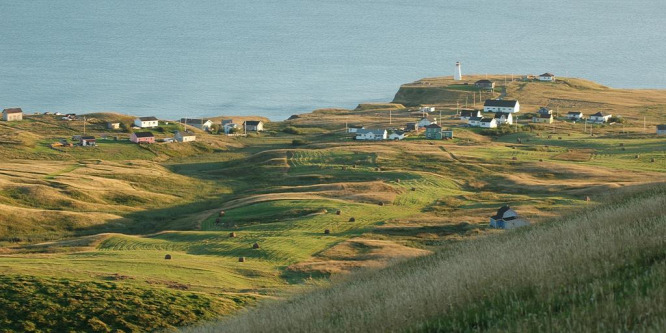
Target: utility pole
point(84, 125)
point(474, 98)
point(390, 117)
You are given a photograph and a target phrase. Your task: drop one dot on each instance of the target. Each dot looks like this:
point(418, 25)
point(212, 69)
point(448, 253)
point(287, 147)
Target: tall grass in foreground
point(601, 270)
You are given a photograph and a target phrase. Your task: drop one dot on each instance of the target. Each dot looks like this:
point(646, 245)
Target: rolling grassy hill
point(104, 218)
point(594, 270)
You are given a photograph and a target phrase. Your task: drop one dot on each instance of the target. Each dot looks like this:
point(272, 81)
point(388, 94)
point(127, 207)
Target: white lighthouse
point(458, 74)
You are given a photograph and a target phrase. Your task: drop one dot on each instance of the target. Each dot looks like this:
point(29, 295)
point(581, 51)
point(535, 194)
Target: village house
point(412, 127)
point(435, 132)
point(397, 135)
point(547, 77)
point(497, 105)
point(371, 134)
point(599, 117)
point(474, 121)
point(427, 109)
point(202, 124)
point(142, 137)
point(146, 122)
point(575, 115)
point(254, 125)
point(504, 118)
point(425, 121)
point(12, 114)
point(466, 114)
point(543, 118)
point(485, 84)
point(88, 141)
point(355, 128)
point(507, 218)
point(113, 126)
point(184, 136)
point(661, 129)
point(229, 126)
point(488, 123)
point(544, 110)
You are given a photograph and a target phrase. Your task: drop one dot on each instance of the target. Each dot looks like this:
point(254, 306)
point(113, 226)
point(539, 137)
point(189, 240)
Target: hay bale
point(351, 219)
point(232, 234)
point(637, 156)
point(327, 232)
point(222, 213)
point(255, 245)
point(241, 259)
point(338, 212)
point(167, 257)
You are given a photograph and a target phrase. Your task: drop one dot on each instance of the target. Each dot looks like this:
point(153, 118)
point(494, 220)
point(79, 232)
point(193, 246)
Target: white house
point(547, 77)
point(661, 129)
point(575, 115)
point(465, 115)
point(599, 117)
point(474, 121)
point(254, 125)
point(488, 123)
point(427, 109)
point(146, 122)
point(425, 121)
point(498, 105)
point(202, 124)
point(371, 134)
point(184, 136)
point(507, 218)
point(12, 114)
point(504, 118)
point(397, 135)
point(355, 128)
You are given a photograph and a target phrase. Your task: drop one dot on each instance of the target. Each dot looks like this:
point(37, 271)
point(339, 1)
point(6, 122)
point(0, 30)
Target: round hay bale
point(637, 156)
point(514, 158)
point(241, 259)
point(327, 232)
point(167, 257)
point(232, 234)
point(255, 245)
point(222, 213)
point(351, 219)
point(381, 203)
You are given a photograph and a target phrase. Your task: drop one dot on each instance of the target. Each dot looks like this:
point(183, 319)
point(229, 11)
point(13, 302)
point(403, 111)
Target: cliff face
point(415, 95)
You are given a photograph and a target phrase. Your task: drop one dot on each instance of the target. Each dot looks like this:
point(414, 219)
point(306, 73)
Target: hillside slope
point(598, 270)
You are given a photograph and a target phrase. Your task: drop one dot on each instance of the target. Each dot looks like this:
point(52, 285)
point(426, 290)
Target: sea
point(275, 58)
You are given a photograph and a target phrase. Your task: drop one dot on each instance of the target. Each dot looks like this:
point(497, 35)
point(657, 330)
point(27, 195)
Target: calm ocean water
point(280, 57)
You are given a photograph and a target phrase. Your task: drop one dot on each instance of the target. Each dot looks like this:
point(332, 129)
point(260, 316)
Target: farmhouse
point(474, 121)
point(543, 118)
point(544, 110)
point(465, 115)
point(12, 114)
point(488, 123)
point(507, 218)
point(145, 122)
point(547, 77)
point(371, 134)
point(425, 121)
point(142, 137)
point(87, 141)
point(575, 115)
point(599, 117)
point(397, 135)
point(435, 132)
point(355, 128)
point(497, 105)
point(184, 136)
point(254, 125)
point(504, 118)
point(485, 84)
point(113, 126)
point(661, 129)
point(202, 124)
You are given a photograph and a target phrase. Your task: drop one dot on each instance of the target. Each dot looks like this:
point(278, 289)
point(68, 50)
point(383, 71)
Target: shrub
point(298, 142)
point(292, 130)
